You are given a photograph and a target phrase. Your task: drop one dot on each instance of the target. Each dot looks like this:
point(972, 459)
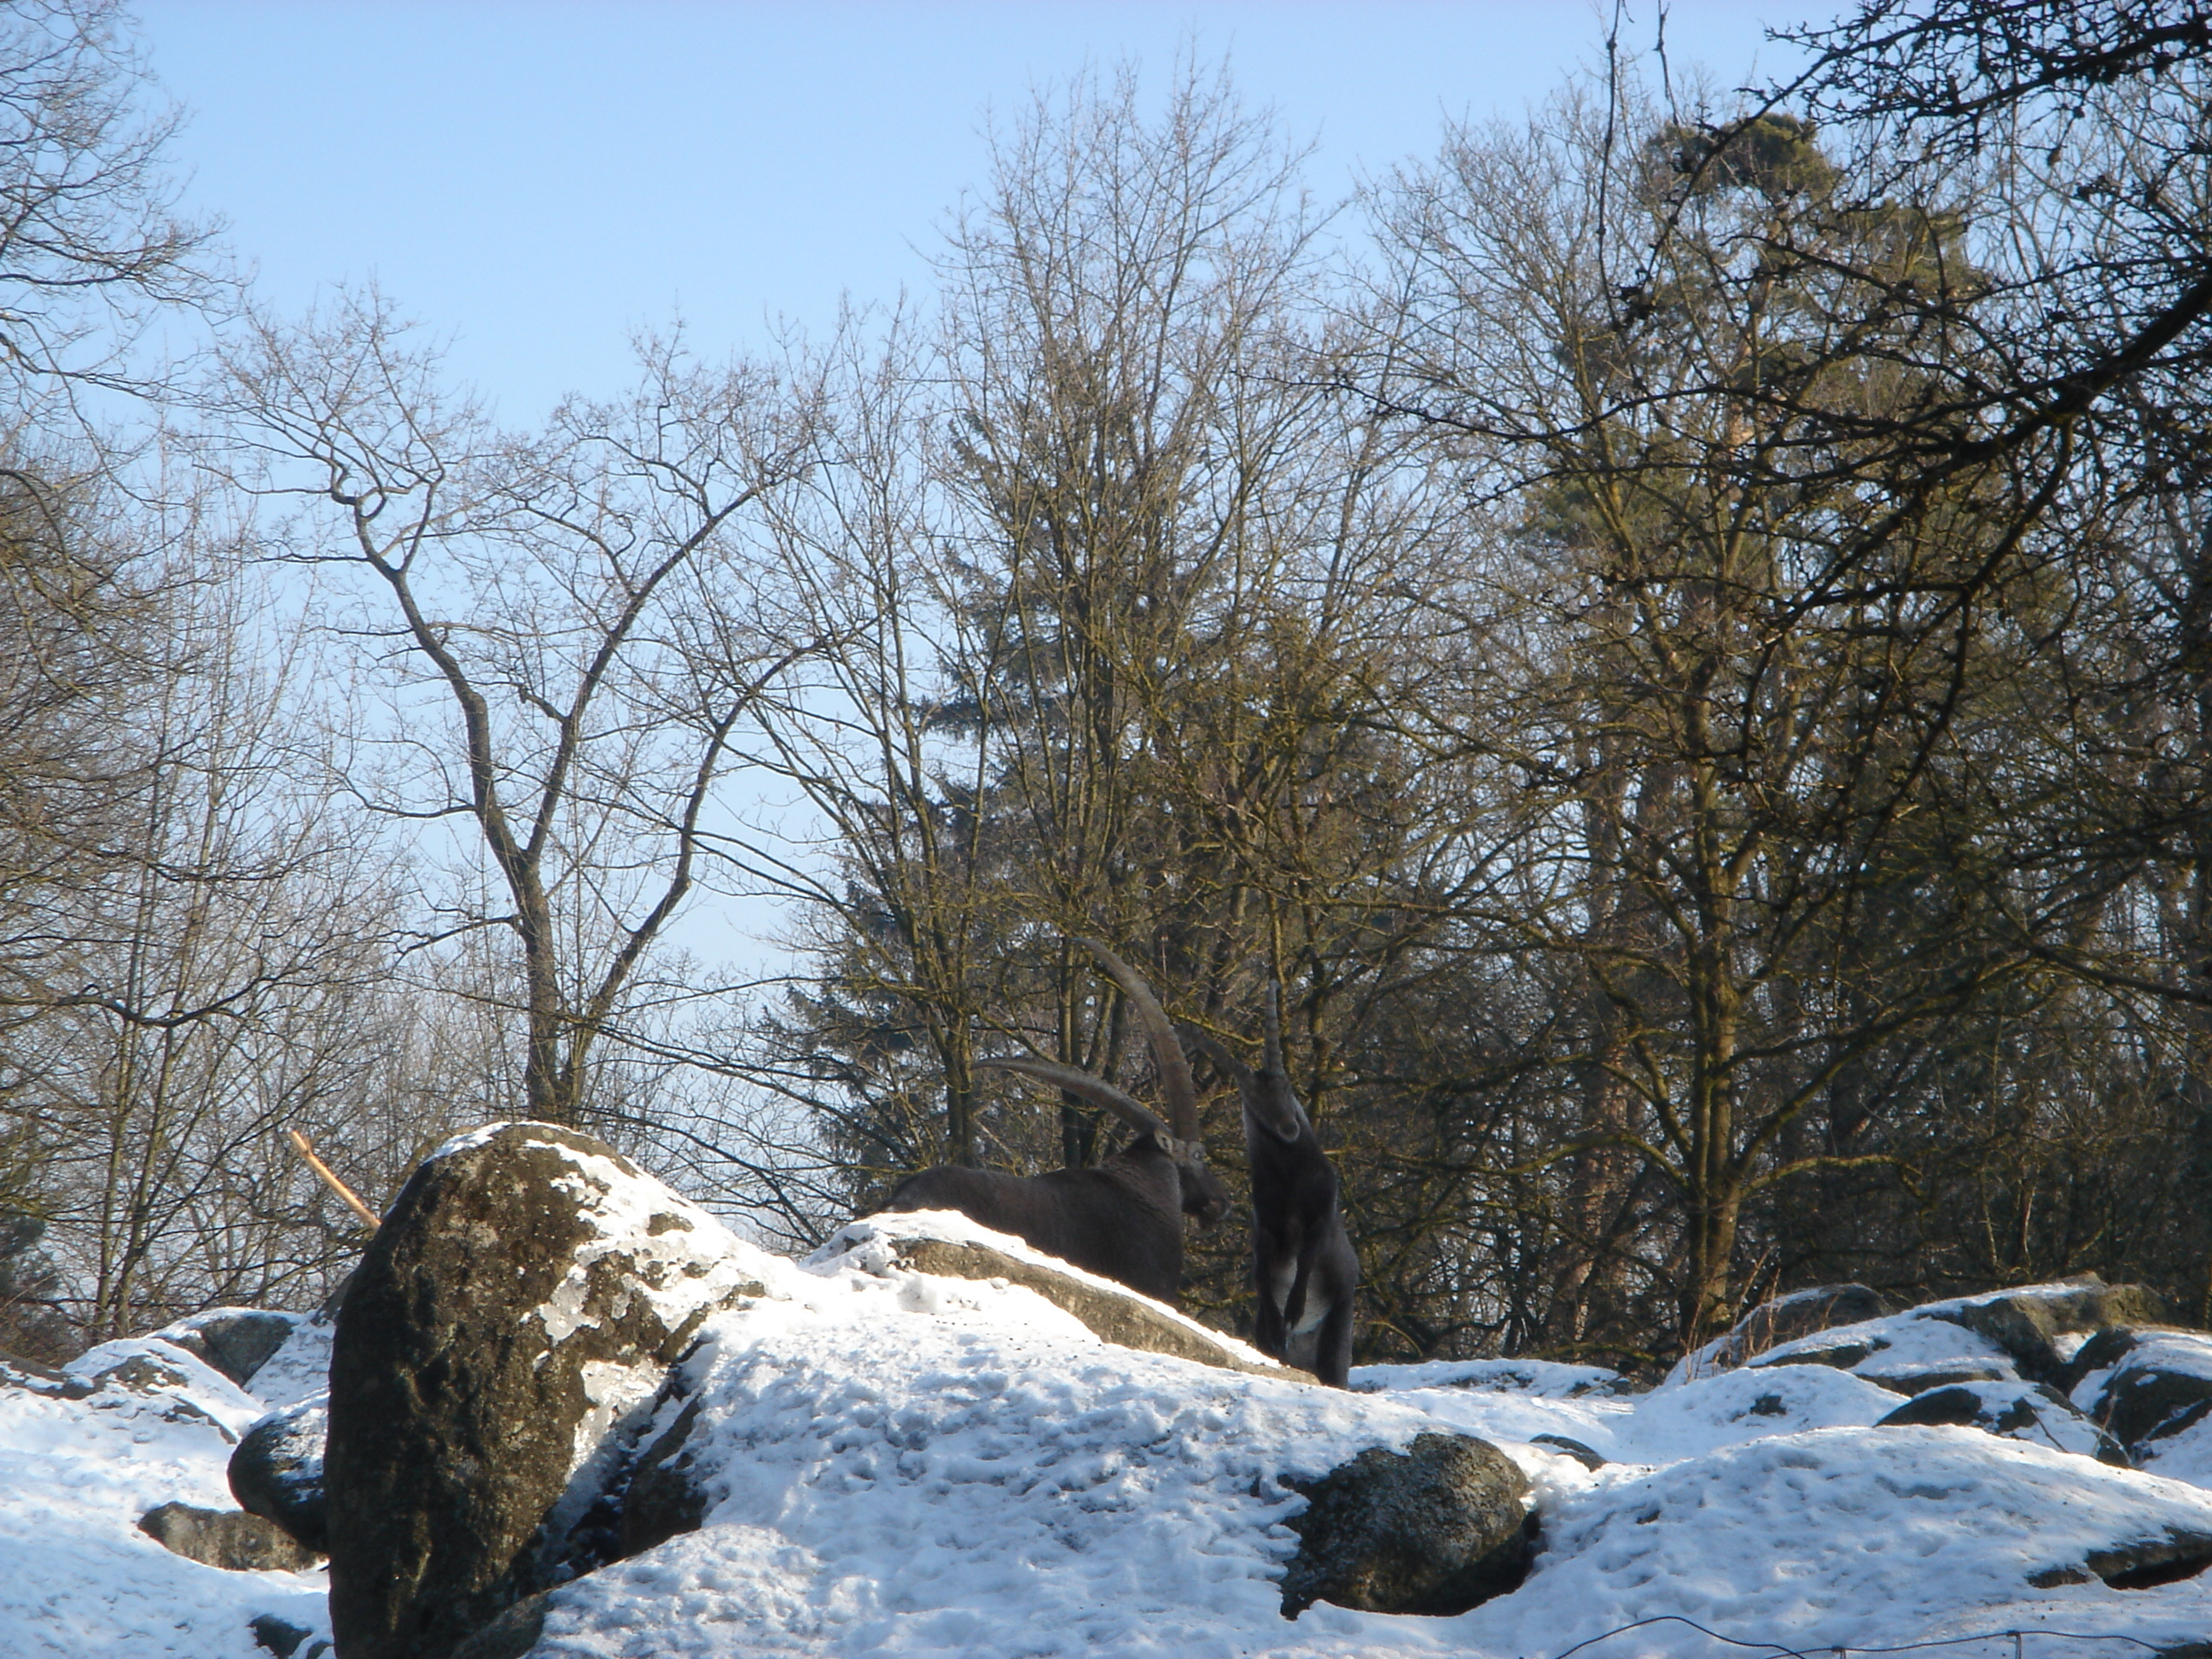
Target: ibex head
point(1269, 1100)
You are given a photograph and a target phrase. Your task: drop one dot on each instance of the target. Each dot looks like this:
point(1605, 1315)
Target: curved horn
point(1272, 1053)
point(1178, 1089)
point(1267, 1093)
point(1224, 1062)
point(1095, 1090)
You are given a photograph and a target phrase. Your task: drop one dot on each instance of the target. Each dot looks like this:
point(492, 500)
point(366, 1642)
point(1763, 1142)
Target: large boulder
point(277, 1472)
point(1433, 1529)
point(512, 1319)
point(2032, 1324)
point(229, 1539)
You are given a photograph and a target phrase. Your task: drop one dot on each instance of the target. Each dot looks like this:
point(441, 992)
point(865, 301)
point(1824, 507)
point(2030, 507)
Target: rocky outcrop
point(229, 1539)
point(277, 1471)
point(1435, 1529)
point(514, 1313)
point(2030, 1324)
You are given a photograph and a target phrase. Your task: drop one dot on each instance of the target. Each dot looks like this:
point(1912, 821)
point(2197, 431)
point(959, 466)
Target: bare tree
point(524, 601)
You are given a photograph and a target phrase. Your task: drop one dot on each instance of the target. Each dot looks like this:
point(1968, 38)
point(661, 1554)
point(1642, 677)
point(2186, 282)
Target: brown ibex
point(1304, 1267)
point(1122, 1219)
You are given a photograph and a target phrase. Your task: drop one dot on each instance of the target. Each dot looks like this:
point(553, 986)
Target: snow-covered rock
point(236, 1342)
point(277, 1472)
point(2033, 1411)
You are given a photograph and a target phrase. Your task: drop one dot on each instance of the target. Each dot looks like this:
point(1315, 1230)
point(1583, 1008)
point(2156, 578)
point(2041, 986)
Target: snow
point(1900, 1347)
point(80, 1580)
point(902, 1465)
point(901, 1469)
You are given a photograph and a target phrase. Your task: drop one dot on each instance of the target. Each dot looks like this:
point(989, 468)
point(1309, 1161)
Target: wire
point(1840, 1649)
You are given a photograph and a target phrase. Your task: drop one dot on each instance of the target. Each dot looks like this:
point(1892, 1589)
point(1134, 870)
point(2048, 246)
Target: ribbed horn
point(1095, 1090)
point(1272, 1053)
point(1224, 1062)
point(1178, 1089)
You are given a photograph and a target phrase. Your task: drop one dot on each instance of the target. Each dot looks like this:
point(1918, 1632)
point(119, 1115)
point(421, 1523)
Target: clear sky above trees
point(541, 179)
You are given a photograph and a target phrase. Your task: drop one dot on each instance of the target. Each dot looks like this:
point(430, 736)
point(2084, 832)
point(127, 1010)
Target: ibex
point(1304, 1267)
point(1122, 1219)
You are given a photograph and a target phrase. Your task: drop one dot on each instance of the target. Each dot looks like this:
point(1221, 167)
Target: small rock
point(1435, 1529)
point(230, 1539)
point(277, 1472)
point(1574, 1448)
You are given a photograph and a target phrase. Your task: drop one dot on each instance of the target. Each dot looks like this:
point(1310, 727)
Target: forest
point(1676, 630)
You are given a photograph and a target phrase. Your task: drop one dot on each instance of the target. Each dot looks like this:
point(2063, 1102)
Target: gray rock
point(2142, 1401)
point(276, 1471)
point(17, 1372)
point(150, 1375)
point(1122, 1317)
point(508, 1323)
point(1589, 1458)
point(1843, 1355)
point(2032, 1412)
point(664, 1497)
point(1434, 1529)
point(236, 1342)
point(2028, 1323)
point(1786, 1318)
point(2140, 1564)
point(2103, 1350)
point(230, 1539)
point(1907, 1381)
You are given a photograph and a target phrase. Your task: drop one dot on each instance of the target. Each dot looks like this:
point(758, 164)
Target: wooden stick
point(353, 1201)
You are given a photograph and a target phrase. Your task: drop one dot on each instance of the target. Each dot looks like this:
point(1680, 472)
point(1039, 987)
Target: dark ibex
point(1304, 1267)
point(1122, 1219)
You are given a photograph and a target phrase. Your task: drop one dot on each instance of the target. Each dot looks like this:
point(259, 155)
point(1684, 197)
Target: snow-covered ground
point(78, 1580)
point(902, 1465)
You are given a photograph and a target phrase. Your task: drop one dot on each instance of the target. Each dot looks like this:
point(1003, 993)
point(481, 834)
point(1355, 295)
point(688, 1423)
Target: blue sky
point(540, 180)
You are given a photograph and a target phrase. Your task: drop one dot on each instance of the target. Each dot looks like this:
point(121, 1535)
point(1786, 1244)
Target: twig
point(352, 1199)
